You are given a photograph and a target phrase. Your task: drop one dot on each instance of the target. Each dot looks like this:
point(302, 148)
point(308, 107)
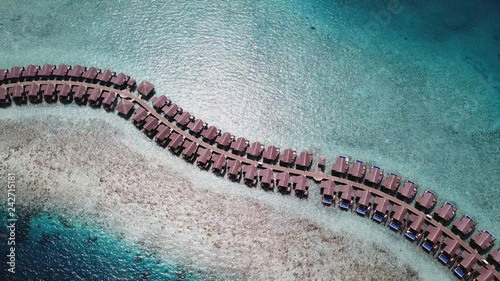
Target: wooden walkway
point(316, 175)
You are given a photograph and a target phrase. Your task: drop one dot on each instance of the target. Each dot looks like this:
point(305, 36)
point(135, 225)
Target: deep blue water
point(52, 248)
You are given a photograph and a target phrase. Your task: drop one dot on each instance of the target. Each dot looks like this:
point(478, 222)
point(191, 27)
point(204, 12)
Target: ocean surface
point(411, 86)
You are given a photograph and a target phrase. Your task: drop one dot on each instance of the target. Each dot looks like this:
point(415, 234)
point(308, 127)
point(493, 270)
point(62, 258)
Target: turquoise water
point(412, 87)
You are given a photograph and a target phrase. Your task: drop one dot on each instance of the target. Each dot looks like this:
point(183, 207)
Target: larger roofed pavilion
point(145, 88)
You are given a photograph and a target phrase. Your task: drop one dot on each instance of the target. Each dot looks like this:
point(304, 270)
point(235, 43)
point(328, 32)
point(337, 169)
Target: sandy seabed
point(82, 171)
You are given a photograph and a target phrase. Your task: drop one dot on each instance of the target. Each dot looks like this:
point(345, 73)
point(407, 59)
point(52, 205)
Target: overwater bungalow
point(196, 126)
point(145, 89)
point(91, 73)
point(124, 107)
point(160, 102)
point(120, 80)
point(494, 257)
point(416, 228)
point(15, 73)
point(94, 96)
point(239, 146)
point(399, 215)
point(183, 119)
point(250, 175)
point(433, 237)
point(150, 125)
point(328, 190)
point(131, 82)
point(484, 274)
point(139, 116)
point(340, 167)
point(234, 169)
point(466, 264)
point(204, 157)
point(426, 201)
point(450, 251)
point(271, 154)
point(76, 72)
point(80, 94)
point(171, 110)
point(34, 93)
point(109, 99)
point(219, 164)
point(189, 151)
point(209, 134)
point(321, 163)
point(287, 157)
point(407, 191)
point(163, 133)
point(283, 182)
point(17, 93)
point(61, 71)
point(106, 76)
point(3, 75)
point(30, 72)
point(357, 171)
point(46, 70)
point(4, 97)
point(375, 176)
point(301, 186)
point(175, 143)
point(445, 213)
point(482, 241)
point(304, 161)
point(464, 226)
point(224, 140)
point(381, 209)
point(363, 202)
point(64, 92)
point(391, 183)
point(266, 178)
point(346, 196)
point(49, 92)
point(255, 150)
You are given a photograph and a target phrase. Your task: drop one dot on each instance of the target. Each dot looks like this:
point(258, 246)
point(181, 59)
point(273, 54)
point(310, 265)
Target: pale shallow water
point(413, 88)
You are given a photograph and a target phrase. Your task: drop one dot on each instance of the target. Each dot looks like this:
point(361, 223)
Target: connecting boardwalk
point(167, 123)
